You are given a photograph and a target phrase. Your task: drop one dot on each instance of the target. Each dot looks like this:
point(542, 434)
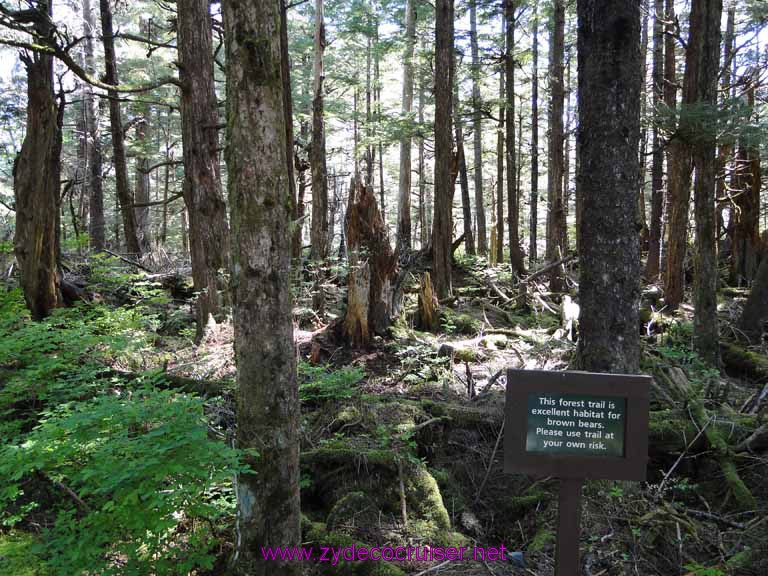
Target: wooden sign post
point(575, 426)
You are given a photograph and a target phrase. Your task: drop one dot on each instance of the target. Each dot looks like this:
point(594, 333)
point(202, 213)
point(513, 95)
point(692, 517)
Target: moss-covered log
point(724, 455)
point(369, 471)
point(744, 362)
point(317, 534)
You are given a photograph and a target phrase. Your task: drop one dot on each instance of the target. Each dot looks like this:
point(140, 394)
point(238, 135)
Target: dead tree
point(372, 299)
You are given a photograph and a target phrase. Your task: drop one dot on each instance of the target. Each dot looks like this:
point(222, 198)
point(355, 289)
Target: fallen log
point(744, 362)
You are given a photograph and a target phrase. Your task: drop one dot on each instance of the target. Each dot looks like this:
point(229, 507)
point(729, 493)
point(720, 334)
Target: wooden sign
point(575, 425)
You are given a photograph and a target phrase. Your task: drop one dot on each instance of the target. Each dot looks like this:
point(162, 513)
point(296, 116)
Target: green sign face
point(576, 424)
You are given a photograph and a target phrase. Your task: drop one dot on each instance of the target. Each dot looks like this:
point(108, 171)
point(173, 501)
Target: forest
point(269, 270)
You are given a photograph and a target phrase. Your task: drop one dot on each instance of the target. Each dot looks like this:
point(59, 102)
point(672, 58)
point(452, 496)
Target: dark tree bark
point(608, 176)
point(442, 231)
point(285, 62)
point(516, 258)
point(260, 203)
point(466, 207)
point(208, 230)
point(124, 197)
point(477, 121)
point(691, 138)
point(644, 231)
point(533, 248)
point(404, 193)
point(93, 137)
point(754, 320)
point(745, 213)
point(36, 174)
point(555, 209)
point(319, 232)
point(706, 15)
point(657, 154)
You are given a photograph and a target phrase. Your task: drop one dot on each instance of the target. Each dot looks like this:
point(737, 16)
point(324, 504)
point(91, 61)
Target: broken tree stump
point(372, 297)
point(429, 307)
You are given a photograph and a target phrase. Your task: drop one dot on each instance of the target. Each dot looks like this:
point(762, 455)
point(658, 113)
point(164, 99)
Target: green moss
point(542, 539)
point(494, 342)
point(317, 534)
point(425, 498)
point(17, 556)
point(355, 507)
point(460, 323)
point(519, 505)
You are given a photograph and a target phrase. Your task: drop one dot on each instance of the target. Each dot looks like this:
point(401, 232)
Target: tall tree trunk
point(442, 232)
point(533, 249)
point(208, 231)
point(369, 150)
point(657, 154)
point(335, 204)
point(260, 203)
point(93, 137)
point(754, 320)
point(118, 136)
point(690, 139)
point(555, 211)
point(641, 202)
point(319, 234)
point(377, 117)
point(725, 152)
point(670, 103)
point(706, 15)
point(679, 166)
point(404, 192)
point(609, 172)
point(466, 207)
point(745, 243)
point(500, 154)
point(36, 174)
point(566, 153)
point(425, 227)
point(141, 196)
point(285, 62)
point(516, 258)
point(477, 121)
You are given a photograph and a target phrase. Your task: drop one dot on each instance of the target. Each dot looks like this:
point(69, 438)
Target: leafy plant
point(140, 481)
point(319, 383)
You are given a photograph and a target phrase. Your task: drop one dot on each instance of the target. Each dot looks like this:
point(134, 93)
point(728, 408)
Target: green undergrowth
point(17, 555)
point(120, 472)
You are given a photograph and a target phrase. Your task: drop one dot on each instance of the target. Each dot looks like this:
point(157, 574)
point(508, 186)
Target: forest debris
point(548, 267)
point(490, 463)
point(128, 261)
point(724, 456)
point(756, 442)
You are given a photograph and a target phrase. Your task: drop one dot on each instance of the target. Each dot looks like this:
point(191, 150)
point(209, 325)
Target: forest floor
point(402, 443)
